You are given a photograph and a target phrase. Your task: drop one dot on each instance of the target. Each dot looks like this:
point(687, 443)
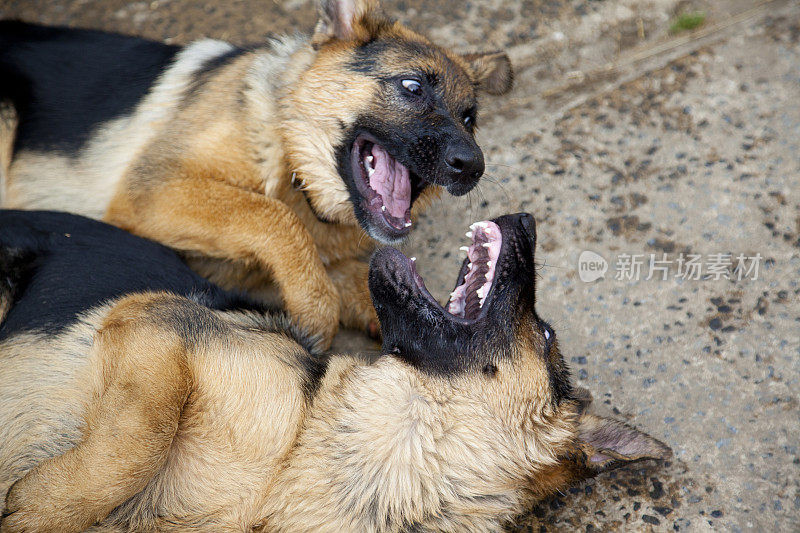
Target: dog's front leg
point(357, 312)
point(129, 428)
point(223, 221)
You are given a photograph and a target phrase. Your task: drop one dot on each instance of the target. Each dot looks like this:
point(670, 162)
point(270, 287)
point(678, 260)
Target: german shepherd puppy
point(261, 165)
point(171, 410)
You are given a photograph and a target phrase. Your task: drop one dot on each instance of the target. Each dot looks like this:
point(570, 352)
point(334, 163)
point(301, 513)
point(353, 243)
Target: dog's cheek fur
point(402, 447)
point(323, 106)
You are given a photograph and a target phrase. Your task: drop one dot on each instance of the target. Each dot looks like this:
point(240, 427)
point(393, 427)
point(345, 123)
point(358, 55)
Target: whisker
point(514, 167)
point(361, 237)
point(499, 183)
point(547, 265)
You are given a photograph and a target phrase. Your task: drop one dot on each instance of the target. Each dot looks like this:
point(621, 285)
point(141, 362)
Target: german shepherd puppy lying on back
point(260, 165)
point(182, 408)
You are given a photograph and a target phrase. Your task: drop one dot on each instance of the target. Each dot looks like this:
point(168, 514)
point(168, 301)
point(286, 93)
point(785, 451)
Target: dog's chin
point(384, 190)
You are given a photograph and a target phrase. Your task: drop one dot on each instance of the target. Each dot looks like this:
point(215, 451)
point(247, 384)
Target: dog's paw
point(359, 314)
point(367, 319)
point(19, 518)
point(14, 523)
point(374, 330)
point(31, 507)
point(317, 311)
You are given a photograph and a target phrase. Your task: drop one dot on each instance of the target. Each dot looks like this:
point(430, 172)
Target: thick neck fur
point(386, 448)
point(286, 139)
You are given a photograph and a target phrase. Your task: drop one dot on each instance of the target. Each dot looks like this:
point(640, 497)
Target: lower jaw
point(384, 232)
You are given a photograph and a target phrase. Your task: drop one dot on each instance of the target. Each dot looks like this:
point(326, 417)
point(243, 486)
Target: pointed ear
point(609, 444)
point(491, 71)
point(342, 19)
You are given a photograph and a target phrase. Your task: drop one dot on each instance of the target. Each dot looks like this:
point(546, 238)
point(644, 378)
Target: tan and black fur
point(156, 411)
point(238, 158)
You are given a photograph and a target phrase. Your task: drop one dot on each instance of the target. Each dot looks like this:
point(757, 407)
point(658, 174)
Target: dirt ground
point(625, 140)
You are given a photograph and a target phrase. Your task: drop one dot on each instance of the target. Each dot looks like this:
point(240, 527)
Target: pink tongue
point(391, 181)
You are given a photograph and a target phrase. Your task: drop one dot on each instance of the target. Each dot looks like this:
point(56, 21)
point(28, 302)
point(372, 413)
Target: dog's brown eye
point(412, 86)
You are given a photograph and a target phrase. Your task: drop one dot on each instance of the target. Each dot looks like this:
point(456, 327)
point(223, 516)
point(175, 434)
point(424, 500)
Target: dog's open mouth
point(495, 284)
point(385, 185)
point(475, 280)
point(475, 283)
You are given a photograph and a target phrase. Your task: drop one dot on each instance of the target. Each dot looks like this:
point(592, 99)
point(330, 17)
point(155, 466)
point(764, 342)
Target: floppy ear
point(491, 70)
point(342, 19)
point(609, 444)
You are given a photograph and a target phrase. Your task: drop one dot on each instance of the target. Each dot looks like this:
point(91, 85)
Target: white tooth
point(369, 159)
point(370, 171)
point(473, 226)
point(383, 208)
point(413, 259)
point(407, 224)
point(469, 234)
point(464, 248)
point(483, 225)
point(489, 264)
point(479, 292)
point(469, 265)
point(486, 245)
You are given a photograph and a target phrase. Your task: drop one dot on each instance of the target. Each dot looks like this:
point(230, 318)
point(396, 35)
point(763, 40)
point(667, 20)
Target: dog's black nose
point(464, 160)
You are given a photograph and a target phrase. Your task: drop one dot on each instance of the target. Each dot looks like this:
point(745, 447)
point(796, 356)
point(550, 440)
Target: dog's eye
point(468, 118)
point(412, 86)
point(548, 334)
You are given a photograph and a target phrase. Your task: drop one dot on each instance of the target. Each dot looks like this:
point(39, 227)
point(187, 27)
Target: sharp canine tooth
point(473, 226)
point(383, 208)
point(489, 264)
point(479, 292)
point(483, 225)
point(464, 248)
point(370, 171)
point(469, 234)
point(469, 265)
point(369, 159)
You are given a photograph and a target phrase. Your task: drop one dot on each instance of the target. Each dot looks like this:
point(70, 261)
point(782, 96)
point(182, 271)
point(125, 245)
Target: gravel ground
point(626, 141)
